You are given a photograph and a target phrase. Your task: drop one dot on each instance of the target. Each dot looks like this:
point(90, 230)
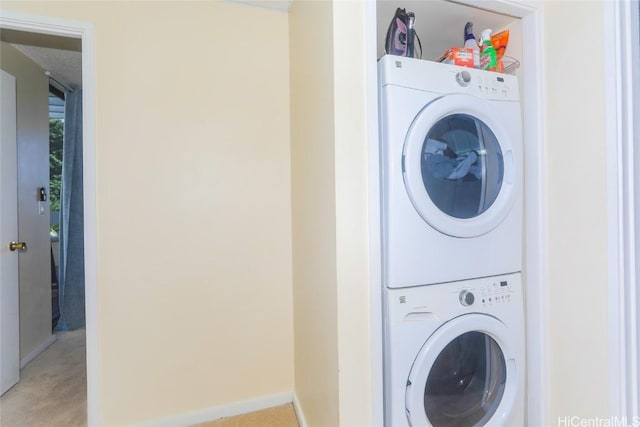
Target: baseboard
point(224, 411)
point(299, 413)
point(36, 351)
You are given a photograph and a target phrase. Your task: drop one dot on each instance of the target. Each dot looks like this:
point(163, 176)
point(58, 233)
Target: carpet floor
point(52, 391)
point(279, 416)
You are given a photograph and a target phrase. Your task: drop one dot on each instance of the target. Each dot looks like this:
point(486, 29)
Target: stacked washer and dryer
point(451, 191)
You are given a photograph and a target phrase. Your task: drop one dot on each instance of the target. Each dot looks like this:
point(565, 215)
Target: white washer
point(451, 167)
point(455, 354)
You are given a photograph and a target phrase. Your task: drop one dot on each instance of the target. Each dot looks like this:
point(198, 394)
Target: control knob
point(466, 297)
point(463, 78)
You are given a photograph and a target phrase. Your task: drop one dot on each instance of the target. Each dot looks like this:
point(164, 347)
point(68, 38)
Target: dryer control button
point(463, 78)
point(466, 298)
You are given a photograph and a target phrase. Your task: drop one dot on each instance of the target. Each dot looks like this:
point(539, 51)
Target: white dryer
point(451, 168)
point(455, 354)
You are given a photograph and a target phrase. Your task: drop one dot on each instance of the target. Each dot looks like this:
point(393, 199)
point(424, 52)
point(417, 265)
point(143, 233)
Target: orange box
point(458, 56)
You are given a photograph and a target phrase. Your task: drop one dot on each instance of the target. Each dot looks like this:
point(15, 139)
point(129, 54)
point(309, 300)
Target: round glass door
point(459, 166)
point(462, 166)
point(462, 376)
point(466, 382)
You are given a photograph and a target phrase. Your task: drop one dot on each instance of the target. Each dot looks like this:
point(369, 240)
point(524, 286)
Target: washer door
point(464, 375)
point(459, 166)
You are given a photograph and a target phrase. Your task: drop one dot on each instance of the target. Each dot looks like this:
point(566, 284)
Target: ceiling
point(60, 57)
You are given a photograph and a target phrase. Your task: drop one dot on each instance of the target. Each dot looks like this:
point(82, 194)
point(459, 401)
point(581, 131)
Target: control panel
point(440, 78)
point(498, 292)
point(484, 84)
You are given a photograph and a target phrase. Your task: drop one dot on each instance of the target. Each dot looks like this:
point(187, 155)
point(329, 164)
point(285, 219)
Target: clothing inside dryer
point(462, 166)
point(466, 382)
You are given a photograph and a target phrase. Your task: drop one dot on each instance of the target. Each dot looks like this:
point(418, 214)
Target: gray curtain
point(71, 280)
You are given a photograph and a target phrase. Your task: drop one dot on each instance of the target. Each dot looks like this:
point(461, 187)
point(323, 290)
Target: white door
point(459, 166)
point(9, 326)
point(464, 375)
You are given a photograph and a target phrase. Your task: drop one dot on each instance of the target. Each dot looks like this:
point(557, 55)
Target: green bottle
point(488, 56)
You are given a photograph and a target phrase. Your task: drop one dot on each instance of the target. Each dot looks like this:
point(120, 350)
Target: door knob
point(18, 246)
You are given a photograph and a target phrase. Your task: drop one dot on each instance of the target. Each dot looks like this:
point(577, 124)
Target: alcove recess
point(440, 26)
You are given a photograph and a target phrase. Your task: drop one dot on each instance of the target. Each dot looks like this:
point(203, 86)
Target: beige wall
point(193, 203)
point(32, 89)
point(577, 241)
point(330, 228)
point(352, 226)
point(313, 192)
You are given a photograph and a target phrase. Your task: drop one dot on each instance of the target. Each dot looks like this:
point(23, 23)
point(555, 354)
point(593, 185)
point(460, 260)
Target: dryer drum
point(462, 166)
point(466, 382)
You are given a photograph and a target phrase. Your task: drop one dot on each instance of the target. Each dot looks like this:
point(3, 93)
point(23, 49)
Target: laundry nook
point(451, 168)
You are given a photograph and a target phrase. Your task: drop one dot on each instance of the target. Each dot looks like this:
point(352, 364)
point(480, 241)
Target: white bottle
point(471, 43)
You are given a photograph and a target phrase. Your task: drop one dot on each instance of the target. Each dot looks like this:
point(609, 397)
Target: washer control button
point(466, 297)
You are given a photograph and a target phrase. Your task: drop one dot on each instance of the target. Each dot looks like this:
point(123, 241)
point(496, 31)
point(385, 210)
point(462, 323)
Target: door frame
point(85, 32)
point(621, 30)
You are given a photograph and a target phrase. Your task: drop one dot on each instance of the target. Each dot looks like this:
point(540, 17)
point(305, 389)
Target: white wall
point(577, 240)
point(32, 89)
point(193, 203)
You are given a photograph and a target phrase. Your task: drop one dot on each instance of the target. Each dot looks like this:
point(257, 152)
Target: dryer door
point(459, 166)
point(464, 375)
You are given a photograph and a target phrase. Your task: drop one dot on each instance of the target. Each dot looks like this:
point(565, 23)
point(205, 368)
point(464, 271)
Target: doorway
point(51, 27)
